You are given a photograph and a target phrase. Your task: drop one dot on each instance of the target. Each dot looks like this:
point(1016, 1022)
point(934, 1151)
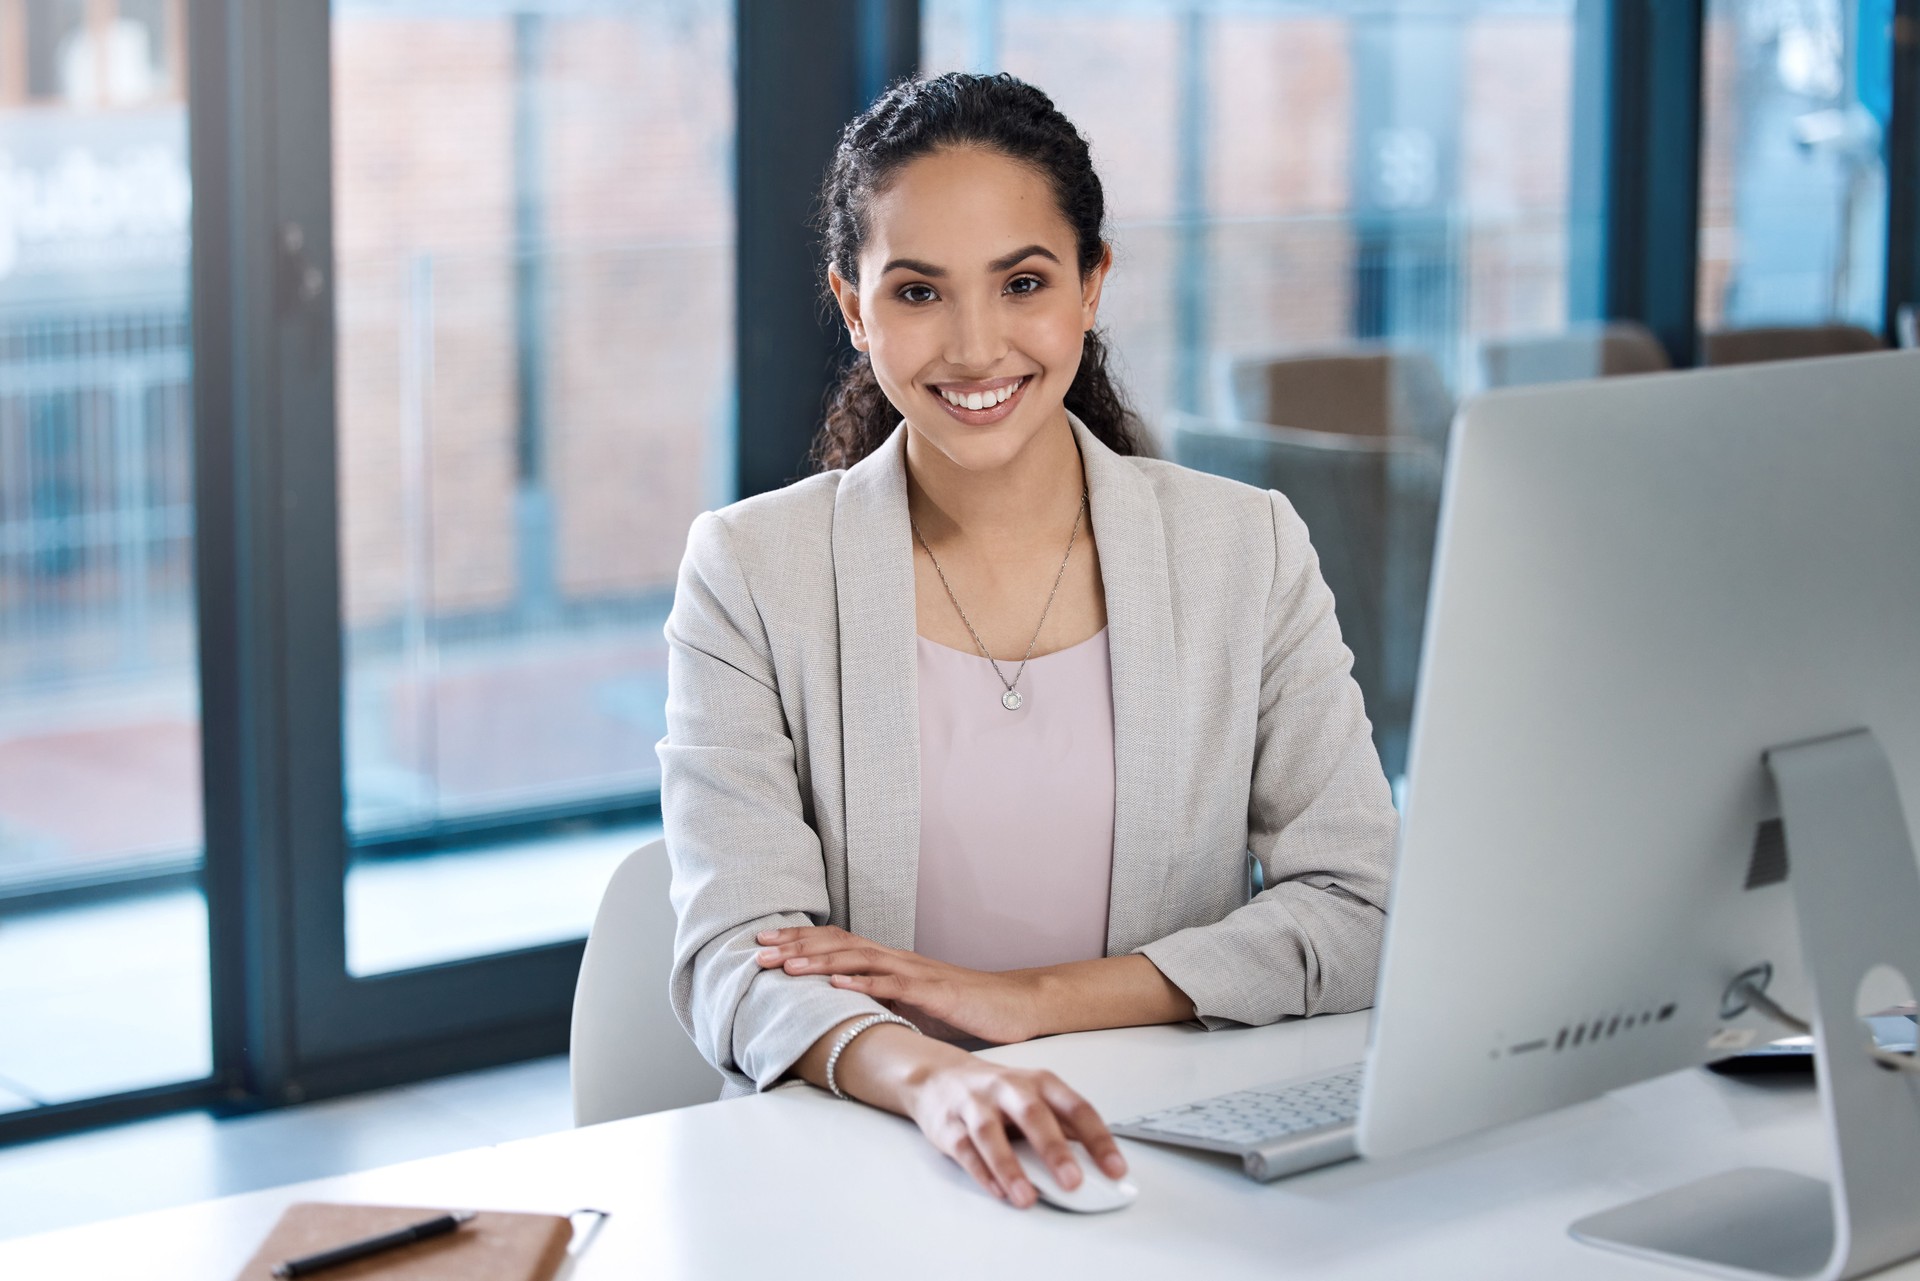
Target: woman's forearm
point(1113, 991)
point(953, 1001)
point(884, 1064)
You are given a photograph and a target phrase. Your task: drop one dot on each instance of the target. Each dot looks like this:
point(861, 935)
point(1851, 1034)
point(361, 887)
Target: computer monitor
point(1642, 587)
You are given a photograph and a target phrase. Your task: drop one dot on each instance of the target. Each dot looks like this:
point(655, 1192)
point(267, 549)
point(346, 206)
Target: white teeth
point(982, 399)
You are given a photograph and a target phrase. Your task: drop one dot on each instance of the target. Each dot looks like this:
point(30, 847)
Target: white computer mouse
point(1097, 1191)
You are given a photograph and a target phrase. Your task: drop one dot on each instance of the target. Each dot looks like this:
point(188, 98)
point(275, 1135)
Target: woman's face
point(970, 303)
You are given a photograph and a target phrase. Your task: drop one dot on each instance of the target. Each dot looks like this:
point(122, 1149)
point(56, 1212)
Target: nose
point(976, 339)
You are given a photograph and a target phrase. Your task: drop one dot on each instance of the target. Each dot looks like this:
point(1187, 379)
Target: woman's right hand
point(971, 1109)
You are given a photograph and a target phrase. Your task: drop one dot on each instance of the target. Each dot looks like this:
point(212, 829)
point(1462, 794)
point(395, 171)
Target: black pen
point(372, 1245)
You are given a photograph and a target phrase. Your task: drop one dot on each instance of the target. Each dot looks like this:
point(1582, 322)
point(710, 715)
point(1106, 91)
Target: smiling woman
point(970, 736)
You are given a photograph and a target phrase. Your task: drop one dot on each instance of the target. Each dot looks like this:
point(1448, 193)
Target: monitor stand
point(1856, 893)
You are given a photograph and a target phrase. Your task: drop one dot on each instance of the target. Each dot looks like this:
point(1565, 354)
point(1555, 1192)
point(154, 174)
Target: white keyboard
point(1276, 1129)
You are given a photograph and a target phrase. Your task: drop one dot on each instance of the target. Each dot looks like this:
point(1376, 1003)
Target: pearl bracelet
point(846, 1039)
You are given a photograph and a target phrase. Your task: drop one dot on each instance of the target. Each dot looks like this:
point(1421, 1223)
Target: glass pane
point(103, 933)
point(534, 242)
point(1793, 198)
point(1325, 217)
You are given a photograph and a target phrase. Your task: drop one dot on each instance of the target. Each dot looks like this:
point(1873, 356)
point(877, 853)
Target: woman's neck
point(1028, 499)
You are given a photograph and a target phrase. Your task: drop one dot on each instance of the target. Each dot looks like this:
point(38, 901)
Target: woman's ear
point(847, 294)
point(1091, 286)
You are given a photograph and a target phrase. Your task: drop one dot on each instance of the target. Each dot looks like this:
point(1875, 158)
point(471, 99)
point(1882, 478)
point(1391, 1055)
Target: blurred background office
point(352, 416)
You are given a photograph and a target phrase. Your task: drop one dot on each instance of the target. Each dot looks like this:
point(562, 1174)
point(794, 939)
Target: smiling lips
point(984, 402)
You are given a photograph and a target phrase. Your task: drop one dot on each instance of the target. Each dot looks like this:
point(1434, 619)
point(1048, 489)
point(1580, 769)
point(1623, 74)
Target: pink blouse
point(1016, 809)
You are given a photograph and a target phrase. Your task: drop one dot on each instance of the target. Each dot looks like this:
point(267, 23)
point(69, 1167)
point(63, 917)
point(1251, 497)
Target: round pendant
point(1010, 701)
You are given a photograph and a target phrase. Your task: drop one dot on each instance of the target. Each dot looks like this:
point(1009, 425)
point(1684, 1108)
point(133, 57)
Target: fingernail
point(1068, 1173)
point(1115, 1164)
point(797, 963)
point(1023, 1193)
point(767, 954)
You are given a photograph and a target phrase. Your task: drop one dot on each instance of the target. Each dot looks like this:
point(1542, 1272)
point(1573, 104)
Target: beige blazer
point(790, 780)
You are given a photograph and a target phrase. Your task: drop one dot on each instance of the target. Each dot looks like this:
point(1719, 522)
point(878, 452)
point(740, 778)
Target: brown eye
point(1025, 285)
point(917, 293)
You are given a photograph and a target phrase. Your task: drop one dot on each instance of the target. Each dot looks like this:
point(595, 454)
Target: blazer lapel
point(879, 694)
point(1146, 725)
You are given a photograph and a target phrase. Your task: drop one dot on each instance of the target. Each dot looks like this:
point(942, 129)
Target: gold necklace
point(1010, 700)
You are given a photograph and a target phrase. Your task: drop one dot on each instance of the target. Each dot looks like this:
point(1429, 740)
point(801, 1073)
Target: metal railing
point(96, 500)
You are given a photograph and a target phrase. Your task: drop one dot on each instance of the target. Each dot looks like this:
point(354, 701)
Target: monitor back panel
point(1641, 584)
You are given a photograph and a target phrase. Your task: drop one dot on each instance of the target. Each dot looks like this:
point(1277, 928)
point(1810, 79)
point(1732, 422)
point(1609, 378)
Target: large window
point(533, 220)
point(103, 928)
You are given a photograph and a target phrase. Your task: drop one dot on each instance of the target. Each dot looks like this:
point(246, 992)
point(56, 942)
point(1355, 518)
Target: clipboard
point(495, 1246)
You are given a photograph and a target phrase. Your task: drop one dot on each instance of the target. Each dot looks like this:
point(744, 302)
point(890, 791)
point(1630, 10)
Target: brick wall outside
point(636, 306)
point(1518, 122)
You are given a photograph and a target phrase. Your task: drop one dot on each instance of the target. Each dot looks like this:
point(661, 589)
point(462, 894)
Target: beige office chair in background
point(1365, 390)
point(1581, 351)
point(630, 1055)
point(1785, 342)
point(1371, 505)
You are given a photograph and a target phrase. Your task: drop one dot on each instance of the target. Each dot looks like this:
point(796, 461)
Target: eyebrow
point(1019, 255)
point(920, 268)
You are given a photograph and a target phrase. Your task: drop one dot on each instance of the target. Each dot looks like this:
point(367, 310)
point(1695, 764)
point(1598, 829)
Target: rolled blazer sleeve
point(1320, 820)
point(744, 857)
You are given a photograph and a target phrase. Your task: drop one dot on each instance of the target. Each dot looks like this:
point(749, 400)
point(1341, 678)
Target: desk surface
point(794, 1183)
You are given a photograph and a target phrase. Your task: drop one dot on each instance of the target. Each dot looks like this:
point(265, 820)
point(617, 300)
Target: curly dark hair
point(910, 120)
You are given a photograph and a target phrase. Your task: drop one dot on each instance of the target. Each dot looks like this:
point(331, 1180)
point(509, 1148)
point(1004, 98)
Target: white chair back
point(630, 1055)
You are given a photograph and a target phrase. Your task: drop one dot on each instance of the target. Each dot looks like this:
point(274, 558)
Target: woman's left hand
point(993, 1007)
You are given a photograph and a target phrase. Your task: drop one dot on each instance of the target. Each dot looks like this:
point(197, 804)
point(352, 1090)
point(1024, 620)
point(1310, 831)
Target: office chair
point(630, 1055)
point(1363, 390)
point(1785, 342)
point(1582, 351)
point(1371, 505)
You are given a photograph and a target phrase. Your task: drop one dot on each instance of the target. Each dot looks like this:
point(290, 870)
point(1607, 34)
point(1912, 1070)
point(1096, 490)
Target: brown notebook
point(495, 1246)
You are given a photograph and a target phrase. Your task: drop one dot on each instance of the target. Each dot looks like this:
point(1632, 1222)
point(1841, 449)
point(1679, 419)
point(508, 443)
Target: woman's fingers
point(990, 1139)
point(1084, 1124)
point(857, 960)
point(969, 1158)
point(831, 935)
point(822, 950)
point(788, 933)
point(1033, 1113)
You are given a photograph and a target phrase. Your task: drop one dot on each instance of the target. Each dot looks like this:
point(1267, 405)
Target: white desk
point(796, 1184)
